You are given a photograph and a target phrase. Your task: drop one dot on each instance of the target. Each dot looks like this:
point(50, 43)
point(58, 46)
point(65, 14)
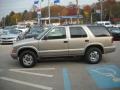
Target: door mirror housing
point(45, 38)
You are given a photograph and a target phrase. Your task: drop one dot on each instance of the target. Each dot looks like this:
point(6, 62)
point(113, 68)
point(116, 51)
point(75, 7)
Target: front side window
point(57, 33)
point(77, 32)
point(99, 31)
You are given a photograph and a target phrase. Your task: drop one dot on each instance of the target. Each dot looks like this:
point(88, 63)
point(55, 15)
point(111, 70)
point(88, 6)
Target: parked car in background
point(33, 32)
point(104, 23)
point(115, 31)
point(9, 36)
point(23, 28)
point(63, 41)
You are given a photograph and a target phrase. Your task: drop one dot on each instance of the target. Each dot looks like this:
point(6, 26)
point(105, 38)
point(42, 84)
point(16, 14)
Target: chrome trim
point(43, 51)
point(81, 50)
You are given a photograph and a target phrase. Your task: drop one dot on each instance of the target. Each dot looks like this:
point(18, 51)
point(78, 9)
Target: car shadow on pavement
point(62, 60)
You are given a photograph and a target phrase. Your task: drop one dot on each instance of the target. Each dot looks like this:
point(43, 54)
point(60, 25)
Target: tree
point(72, 9)
point(24, 15)
point(12, 13)
point(109, 8)
point(87, 13)
point(7, 20)
point(64, 12)
point(34, 15)
point(12, 18)
point(87, 10)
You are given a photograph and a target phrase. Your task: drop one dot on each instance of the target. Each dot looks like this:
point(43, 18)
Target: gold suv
point(61, 41)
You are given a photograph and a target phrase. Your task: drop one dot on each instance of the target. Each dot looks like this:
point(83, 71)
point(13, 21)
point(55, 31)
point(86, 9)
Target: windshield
point(5, 32)
point(14, 31)
point(107, 23)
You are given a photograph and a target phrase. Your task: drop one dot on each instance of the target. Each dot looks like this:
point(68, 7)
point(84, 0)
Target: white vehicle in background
point(105, 23)
point(23, 28)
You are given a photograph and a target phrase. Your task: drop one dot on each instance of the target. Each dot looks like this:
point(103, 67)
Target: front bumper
point(7, 41)
point(14, 55)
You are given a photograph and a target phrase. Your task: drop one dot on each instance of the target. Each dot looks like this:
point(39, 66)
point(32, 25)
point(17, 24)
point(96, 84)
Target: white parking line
point(26, 83)
point(35, 69)
point(31, 73)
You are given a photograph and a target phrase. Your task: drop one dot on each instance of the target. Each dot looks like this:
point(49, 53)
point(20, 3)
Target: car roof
point(74, 25)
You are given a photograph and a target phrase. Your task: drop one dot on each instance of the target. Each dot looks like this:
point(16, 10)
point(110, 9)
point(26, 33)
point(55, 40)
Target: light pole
point(101, 9)
point(49, 11)
point(77, 10)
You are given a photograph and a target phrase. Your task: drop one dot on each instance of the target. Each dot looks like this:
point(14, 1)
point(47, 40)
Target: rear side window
point(77, 32)
point(99, 31)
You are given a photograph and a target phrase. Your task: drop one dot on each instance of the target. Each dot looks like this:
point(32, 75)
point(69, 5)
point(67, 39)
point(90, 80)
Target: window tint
point(99, 31)
point(57, 33)
point(77, 32)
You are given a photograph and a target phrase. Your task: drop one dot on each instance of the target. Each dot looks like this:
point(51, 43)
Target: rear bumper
point(109, 49)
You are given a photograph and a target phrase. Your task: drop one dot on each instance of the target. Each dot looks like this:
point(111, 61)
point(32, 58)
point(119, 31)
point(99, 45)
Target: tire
point(93, 55)
point(27, 59)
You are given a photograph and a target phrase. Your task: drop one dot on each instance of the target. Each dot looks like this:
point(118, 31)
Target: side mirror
point(45, 38)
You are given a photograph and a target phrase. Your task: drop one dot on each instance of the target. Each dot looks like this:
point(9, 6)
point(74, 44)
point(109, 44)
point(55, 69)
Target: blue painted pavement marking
point(67, 83)
point(105, 76)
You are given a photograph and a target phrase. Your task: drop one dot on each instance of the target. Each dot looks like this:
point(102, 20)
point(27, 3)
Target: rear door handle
point(86, 40)
point(65, 41)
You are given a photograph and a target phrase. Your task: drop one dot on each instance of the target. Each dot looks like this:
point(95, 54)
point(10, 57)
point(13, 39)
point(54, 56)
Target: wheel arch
point(26, 49)
point(97, 46)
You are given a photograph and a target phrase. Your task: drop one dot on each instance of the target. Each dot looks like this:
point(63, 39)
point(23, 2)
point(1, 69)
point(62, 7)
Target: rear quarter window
point(99, 31)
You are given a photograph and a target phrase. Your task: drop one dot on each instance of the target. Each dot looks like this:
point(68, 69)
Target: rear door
point(54, 43)
point(78, 40)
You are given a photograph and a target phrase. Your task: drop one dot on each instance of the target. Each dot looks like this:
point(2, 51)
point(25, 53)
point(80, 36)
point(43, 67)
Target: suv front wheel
point(27, 59)
point(93, 55)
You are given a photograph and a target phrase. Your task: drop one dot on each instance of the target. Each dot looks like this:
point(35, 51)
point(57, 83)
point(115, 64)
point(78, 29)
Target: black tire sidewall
point(23, 54)
point(88, 53)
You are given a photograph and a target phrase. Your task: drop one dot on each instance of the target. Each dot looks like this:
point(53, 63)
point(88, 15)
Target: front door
point(54, 43)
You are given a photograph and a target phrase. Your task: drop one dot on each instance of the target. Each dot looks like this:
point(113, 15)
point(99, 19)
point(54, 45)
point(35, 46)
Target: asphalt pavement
point(60, 74)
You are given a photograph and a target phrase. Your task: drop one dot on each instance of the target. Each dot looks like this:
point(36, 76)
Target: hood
point(26, 42)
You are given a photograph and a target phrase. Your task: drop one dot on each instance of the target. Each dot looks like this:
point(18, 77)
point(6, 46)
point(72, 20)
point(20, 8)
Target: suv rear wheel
point(93, 55)
point(27, 59)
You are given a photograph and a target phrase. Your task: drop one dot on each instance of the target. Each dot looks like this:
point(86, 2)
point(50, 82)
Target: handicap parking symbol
point(105, 76)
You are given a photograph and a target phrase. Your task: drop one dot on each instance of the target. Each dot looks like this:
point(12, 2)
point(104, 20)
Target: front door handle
point(65, 41)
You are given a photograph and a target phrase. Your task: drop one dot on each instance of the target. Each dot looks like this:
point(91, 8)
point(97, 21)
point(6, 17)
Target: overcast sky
point(6, 6)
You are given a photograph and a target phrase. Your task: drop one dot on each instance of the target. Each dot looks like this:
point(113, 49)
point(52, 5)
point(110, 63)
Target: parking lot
point(60, 74)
